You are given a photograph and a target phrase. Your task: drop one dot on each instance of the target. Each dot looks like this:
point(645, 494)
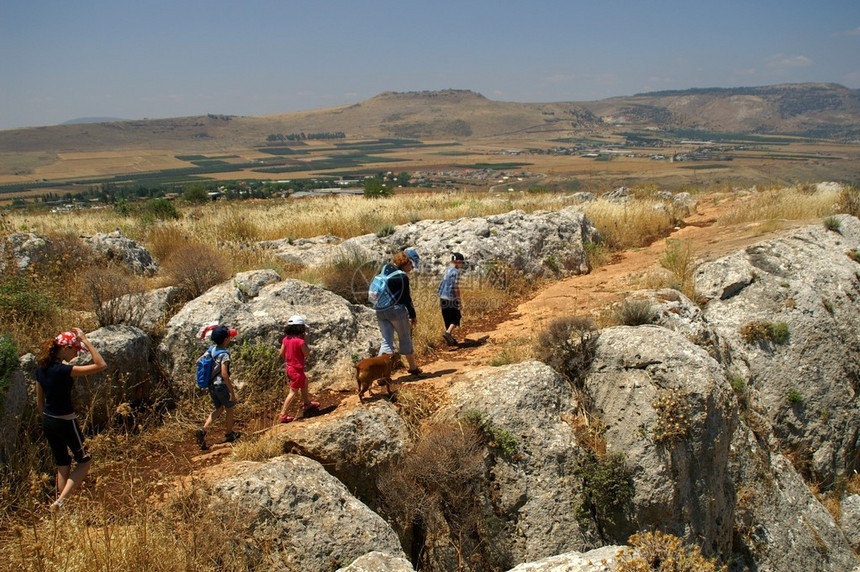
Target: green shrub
point(794, 397)
point(261, 370)
point(8, 363)
point(437, 491)
point(349, 276)
point(679, 260)
point(607, 486)
point(739, 384)
point(854, 255)
point(832, 223)
point(160, 209)
point(597, 254)
point(386, 230)
point(634, 312)
point(21, 298)
point(495, 436)
point(761, 331)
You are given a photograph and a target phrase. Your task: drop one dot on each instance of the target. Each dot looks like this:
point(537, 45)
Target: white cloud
point(786, 61)
point(842, 33)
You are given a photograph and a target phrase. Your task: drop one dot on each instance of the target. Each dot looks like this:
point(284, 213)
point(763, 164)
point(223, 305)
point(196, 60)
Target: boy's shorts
point(298, 379)
point(220, 395)
point(450, 312)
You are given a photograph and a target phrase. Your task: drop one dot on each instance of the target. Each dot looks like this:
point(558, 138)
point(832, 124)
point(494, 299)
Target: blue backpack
point(378, 292)
point(206, 367)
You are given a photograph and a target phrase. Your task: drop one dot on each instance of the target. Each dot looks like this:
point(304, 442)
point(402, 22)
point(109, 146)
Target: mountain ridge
point(829, 111)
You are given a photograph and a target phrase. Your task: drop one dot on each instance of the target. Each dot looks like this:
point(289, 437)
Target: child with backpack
point(220, 384)
point(294, 350)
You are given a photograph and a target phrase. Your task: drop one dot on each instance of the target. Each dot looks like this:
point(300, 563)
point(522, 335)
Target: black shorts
point(450, 312)
point(64, 435)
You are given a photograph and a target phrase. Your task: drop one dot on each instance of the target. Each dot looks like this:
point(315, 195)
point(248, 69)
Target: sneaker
point(287, 418)
point(201, 439)
point(417, 372)
point(311, 405)
point(449, 339)
point(232, 436)
point(58, 505)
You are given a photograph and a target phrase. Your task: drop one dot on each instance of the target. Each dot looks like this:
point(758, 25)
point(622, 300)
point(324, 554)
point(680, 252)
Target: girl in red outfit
point(294, 350)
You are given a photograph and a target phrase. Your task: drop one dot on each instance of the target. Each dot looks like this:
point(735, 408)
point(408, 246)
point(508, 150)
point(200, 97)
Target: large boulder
point(666, 405)
point(354, 445)
point(23, 248)
point(129, 378)
point(534, 492)
point(258, 304)
point(118, 248)
point(698, 470)
point(850, 520)
point(308, 518)
point(533, 243)
point(603, 559)
point(807, 281)
point(778, 522)
point(378, 562)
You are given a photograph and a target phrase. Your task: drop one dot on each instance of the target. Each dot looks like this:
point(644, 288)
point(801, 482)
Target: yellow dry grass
point(775, 203)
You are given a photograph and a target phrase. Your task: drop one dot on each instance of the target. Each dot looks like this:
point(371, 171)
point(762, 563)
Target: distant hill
point(80, 120)
point(813, 110)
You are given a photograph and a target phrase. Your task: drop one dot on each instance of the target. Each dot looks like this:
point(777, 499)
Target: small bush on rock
point(673, 416)
point(762, 331)
point(349, 276)
point(832, 223)
point(436, 492)
point(494, 436)
point(634, 312)
point(115, 297)
point(567, 346)
point(607, 486)
point(663, 552)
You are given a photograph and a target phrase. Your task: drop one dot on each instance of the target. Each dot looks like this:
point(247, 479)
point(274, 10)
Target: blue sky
point(62, 60)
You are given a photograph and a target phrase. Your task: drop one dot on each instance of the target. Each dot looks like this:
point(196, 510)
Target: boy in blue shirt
point(449, 297)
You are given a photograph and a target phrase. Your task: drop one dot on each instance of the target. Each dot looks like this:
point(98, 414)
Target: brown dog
point(369, 370)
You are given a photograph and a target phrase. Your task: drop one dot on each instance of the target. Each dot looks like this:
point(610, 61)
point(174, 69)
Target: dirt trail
point(587, 294)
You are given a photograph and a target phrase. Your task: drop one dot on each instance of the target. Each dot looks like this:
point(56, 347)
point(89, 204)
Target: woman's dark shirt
point(399, 287)
point(56, 381)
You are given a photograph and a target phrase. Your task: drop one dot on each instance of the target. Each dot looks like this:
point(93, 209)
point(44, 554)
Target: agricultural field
point(551, 164)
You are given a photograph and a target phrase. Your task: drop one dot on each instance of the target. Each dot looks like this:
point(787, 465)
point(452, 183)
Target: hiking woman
point(55, 379)
point(400, 315)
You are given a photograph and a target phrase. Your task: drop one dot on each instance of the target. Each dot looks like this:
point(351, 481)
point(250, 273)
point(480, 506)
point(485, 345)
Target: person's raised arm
point(98, 361)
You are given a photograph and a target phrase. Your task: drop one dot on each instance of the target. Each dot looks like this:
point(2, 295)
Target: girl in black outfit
point(54, 397)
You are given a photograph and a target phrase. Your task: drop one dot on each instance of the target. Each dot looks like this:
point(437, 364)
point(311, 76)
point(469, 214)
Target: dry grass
point(781, 203)
point(187, 532)
point(273, 219)
point(630, 224)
